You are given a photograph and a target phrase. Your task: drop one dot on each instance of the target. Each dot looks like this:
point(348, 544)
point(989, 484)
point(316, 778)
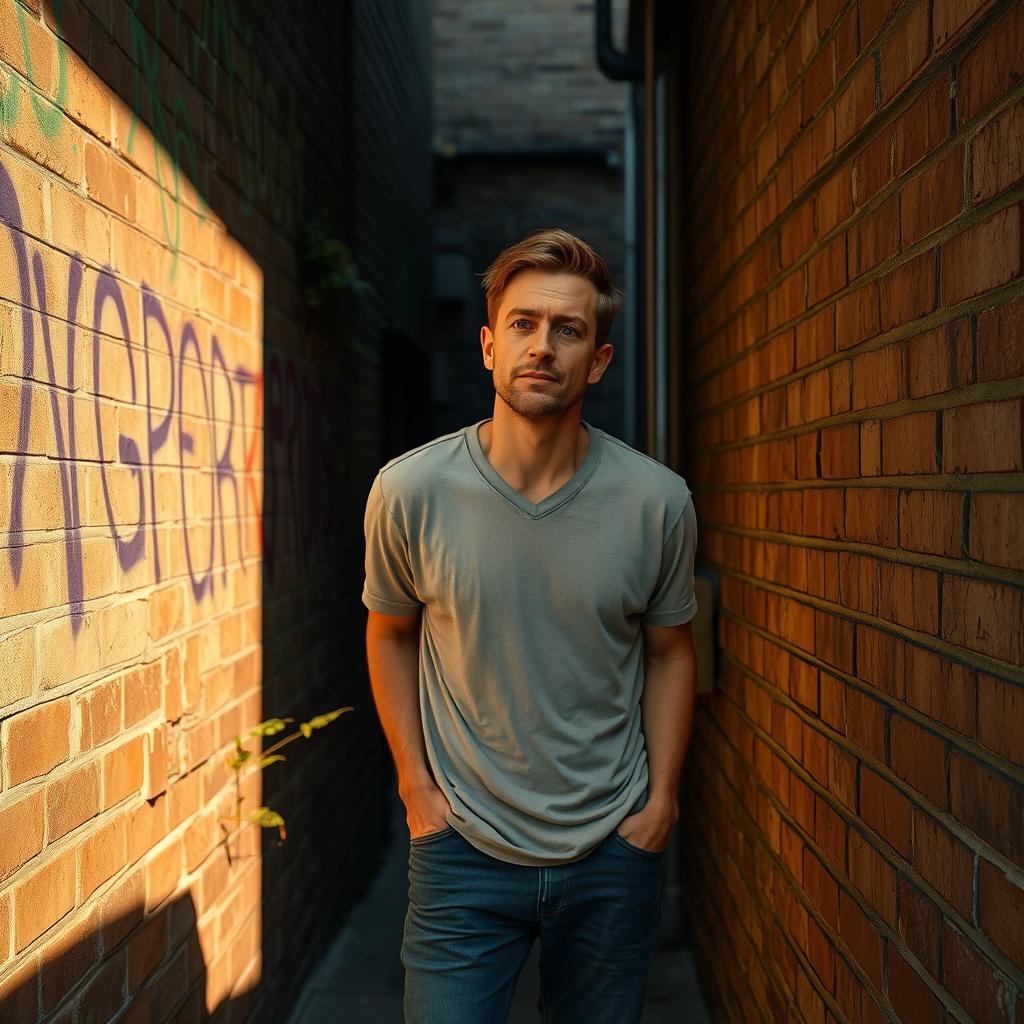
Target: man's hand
point(649, 828)
point(425, 808)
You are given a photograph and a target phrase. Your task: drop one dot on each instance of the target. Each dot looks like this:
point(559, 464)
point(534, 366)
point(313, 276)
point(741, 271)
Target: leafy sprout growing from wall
point(245, 762)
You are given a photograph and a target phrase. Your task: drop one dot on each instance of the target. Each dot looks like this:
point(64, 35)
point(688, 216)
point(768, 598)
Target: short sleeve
point(389, 587)
point(673, 601)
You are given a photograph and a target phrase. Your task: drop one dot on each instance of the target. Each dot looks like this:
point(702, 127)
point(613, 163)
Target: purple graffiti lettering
point(66, 454)
point(225, 471)
point(107, 290)
point(152, 309)
point(185, 444)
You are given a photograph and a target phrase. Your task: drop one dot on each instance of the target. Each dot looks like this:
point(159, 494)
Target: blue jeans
point(472, 920)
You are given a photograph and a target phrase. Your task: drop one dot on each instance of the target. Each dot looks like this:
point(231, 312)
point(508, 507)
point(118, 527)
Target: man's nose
point(540, 342)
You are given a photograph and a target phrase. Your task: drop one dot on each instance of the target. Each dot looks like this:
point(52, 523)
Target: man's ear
point(487, 346)
point(602, 357)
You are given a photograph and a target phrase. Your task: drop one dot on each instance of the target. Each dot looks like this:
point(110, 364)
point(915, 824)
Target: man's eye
point(571, 328)
point(518, 322)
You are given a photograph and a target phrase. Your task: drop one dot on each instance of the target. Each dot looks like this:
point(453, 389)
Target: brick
point(162, 873)
point(918, 757)
point(932, 198)
point(109, 182)
point(968, 432)
point(872, 169)
point(99, 710)
point(879, 377)
point(21, 824)
point(873, 876)
point(861, 936)
point(910, 996)
point(907, 292)
point(982, 257)
point(997, 154)
point(1000, 712)
point(908, 444)
point(143, 693)
point(865, 722)
point(941, 689)
point(990, 805)
point(858, 316)
point(104, 995)
point(983, 616)
point(1001, 910)
point(856, 104)
point(922, 127)
point(123, 771)
point(973, 981)
point(146, 950)
point(830, 833)
point(18, 659)
point(920, 924)
point(834, 202)
point(991, 69)
point(797, 233)
point(881, 660)
point(998, 327)
point(43, 899)
point(993, 536)
point(819, 79)
point(930, 368)
point(931, 522)
point(904, 52)
point(875, 238)
point(886, 810)
point(69, 959)
point(72, 800)
point(944, 862)
point(19, 990)
point(121, 908)
point(827, 271)
point(952, 18)
point(842, 775)
point(909, 596)
point(101, 854)
point(36, 741)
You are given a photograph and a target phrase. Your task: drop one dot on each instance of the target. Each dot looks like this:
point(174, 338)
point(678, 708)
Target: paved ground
point(360, 980)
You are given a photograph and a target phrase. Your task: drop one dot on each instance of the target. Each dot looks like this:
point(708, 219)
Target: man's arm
point(666, 708)
point(392, 655)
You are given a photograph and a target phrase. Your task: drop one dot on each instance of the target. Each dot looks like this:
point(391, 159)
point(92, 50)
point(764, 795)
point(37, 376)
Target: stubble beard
point(533, 404)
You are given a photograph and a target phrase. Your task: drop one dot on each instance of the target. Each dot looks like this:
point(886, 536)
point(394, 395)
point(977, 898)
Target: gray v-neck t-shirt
point(531, 649)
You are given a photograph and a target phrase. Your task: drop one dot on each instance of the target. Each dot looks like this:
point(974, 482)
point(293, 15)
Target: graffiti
point(293, 437)
point(266, 153)
point(47, 117)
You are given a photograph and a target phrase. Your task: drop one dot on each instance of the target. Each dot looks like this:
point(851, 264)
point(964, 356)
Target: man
point(529, 581)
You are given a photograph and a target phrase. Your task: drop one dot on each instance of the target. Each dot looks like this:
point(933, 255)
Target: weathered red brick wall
point(181, 495)
point(854, 815)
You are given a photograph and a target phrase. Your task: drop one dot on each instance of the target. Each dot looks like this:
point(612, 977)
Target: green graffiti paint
point(48, 117)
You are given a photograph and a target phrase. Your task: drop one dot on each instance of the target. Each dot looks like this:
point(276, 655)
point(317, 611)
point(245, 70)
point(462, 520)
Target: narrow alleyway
point(360, 979)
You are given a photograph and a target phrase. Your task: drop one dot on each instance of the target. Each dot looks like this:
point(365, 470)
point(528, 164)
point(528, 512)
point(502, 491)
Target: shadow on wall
point(125, 951)
point(177, 392)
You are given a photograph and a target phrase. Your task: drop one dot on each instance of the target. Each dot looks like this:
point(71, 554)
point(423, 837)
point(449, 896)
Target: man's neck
point(534, 455)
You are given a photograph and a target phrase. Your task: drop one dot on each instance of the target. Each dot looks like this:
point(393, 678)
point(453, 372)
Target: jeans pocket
point(431, 836)
point(623, 841)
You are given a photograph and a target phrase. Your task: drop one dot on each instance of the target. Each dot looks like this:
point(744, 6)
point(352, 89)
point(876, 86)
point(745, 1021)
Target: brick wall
point(854, 815)
point(516, 81)
point(181, 489)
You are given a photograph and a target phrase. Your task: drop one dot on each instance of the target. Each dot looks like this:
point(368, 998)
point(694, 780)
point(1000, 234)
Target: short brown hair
point(557, 252)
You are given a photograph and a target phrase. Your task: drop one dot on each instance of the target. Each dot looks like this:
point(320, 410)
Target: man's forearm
point(670, 690)
point(394, 679)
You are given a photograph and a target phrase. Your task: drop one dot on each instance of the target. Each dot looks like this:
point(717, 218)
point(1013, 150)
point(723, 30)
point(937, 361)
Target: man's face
point(546, 324)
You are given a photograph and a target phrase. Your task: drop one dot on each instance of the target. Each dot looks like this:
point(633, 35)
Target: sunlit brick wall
point(179, 504)
point(854, 814)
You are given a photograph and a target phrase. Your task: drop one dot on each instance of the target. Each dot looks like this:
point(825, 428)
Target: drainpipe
point(628, 68)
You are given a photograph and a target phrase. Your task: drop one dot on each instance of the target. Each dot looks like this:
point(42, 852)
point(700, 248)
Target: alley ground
point(360, 979)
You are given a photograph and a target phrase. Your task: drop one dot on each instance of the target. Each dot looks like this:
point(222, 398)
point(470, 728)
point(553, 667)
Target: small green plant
point(246, 762)
point(327, 264)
